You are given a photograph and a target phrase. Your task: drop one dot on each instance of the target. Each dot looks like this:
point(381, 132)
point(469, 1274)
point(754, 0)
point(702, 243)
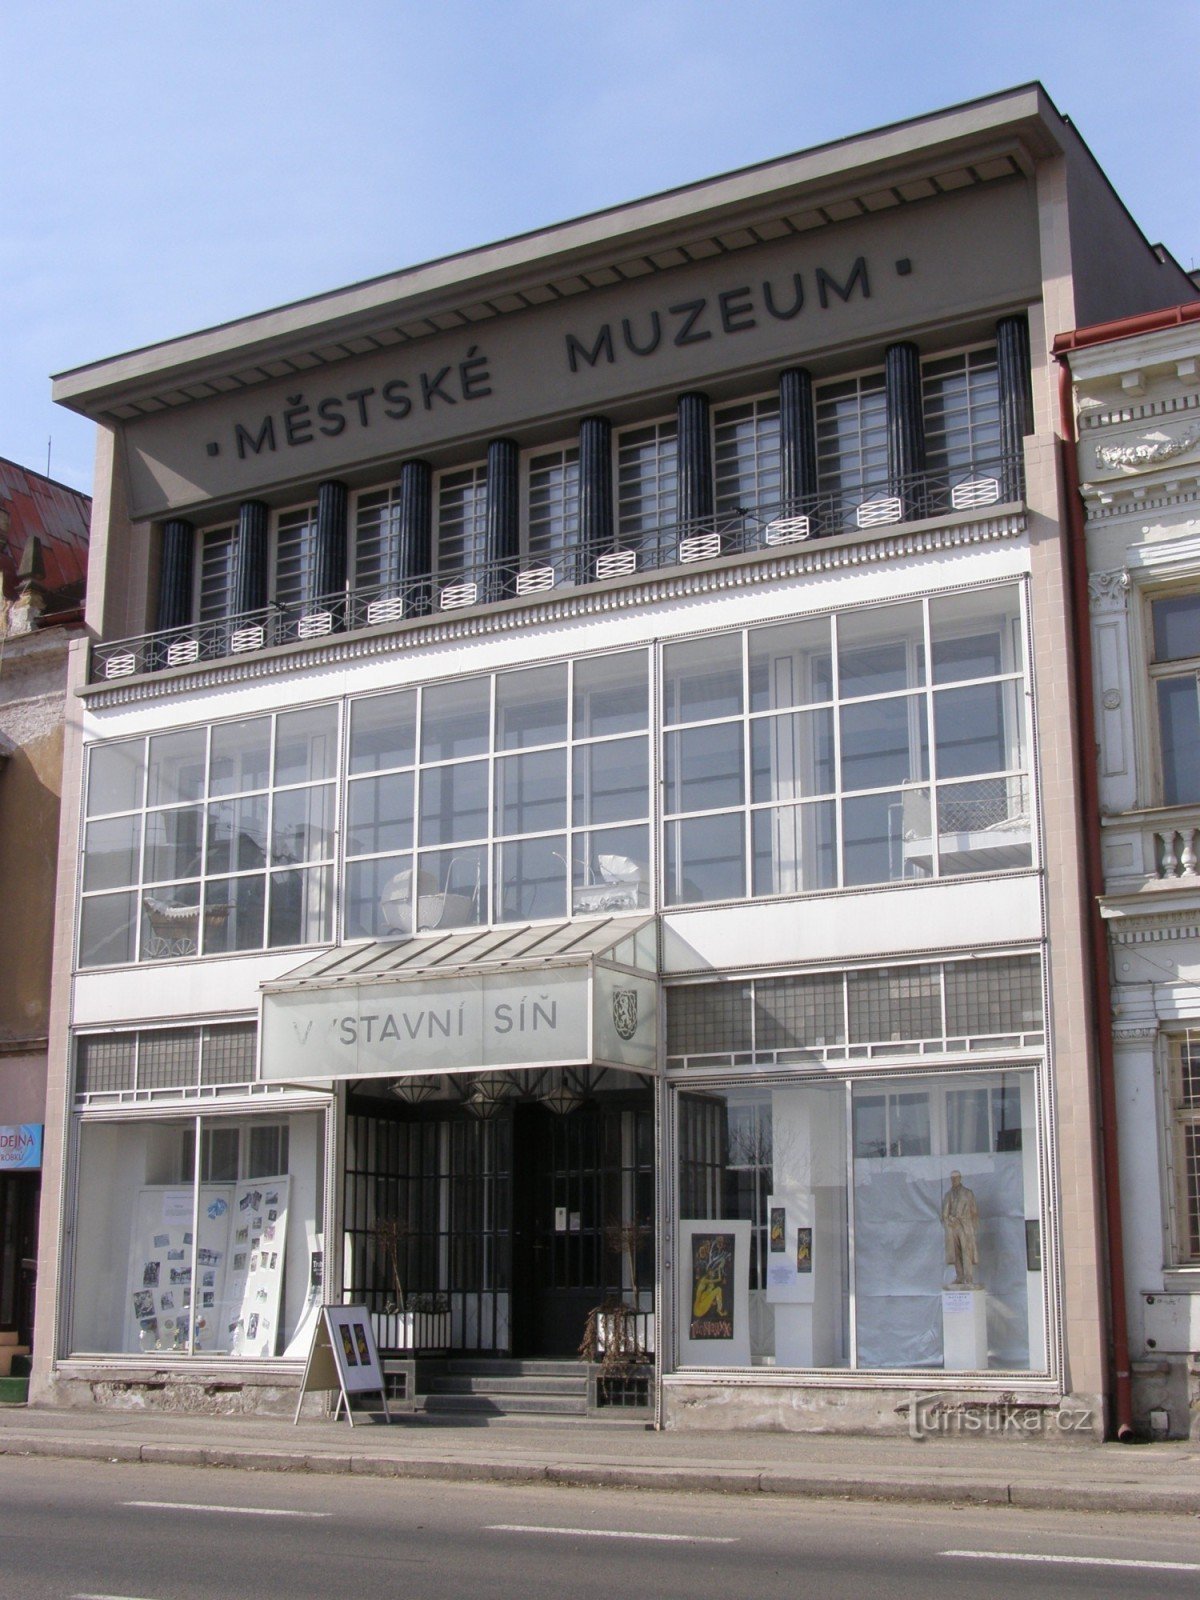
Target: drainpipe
point(1094, 880)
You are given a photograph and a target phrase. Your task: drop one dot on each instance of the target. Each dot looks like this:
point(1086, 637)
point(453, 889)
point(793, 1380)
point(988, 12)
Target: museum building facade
point(574, 820)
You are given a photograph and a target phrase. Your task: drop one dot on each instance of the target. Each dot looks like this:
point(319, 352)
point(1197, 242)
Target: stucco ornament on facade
point(1156, 448)
point(1109, 591)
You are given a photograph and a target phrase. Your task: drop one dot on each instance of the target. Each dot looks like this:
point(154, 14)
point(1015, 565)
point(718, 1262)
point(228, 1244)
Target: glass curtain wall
point(880, 744)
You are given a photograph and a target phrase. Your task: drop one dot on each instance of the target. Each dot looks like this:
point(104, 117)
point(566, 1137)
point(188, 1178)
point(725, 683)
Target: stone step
point(500, 1405)
point(468, 1383)
point(506, 1367)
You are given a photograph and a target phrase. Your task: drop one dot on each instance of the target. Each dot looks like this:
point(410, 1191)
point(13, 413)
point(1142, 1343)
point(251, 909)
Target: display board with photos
point(257, 1251)
point(163, 1305)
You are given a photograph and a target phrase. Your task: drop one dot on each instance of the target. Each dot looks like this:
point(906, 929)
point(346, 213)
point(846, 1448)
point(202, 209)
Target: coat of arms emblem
point(625, 1012)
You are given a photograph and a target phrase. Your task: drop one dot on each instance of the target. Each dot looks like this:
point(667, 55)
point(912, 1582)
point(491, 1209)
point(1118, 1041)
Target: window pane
point(233, 913)
point(881, 648)
point(454, 719)
point(612, 694)
point(383, 731)
point(795, 849)
point(302, 824)
point(237, 834)
point(799, 1012)
point(531, 792)
point(379, 897)
point(977, 729)
point(886, 836)
point(884, 741)
point(646, 483)
point(106, 929)
point(792, 756)
point(983, 826)
point(110, 853)
point(611, 781)
point(176, 767)
point(116, 776)
point(300, 907)
point(610, 870)
point(967, 1131)
point(704, 767)
point(531, 707)
point(703, 679)
point(241, 756)
point(790, 664)
point(454, 803)
point(553, 505)
point(1176, 627)
point(705, 859)
point(380, 814)
point(172, 845)
point(975, 635)
point(1179, 732)
point(452, 888)
point(746, 455)
point(306, 745)
point(532, 879)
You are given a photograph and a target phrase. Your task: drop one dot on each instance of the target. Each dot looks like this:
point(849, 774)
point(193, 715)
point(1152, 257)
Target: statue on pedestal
point(960, 1220)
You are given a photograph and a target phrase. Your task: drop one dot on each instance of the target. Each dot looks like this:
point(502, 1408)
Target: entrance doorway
point(515, 1227)
point(19, 1197)
point(582, 1219)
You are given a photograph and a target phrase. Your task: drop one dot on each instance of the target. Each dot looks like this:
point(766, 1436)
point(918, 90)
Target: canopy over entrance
point(552, 995)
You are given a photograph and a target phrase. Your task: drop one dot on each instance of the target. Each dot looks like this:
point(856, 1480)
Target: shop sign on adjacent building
point(20, 1146)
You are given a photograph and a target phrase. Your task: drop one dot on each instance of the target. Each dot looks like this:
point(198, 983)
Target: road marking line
point(107, 1597)
point(1076, 1561)
point(233, 1511)
point(609, 1533)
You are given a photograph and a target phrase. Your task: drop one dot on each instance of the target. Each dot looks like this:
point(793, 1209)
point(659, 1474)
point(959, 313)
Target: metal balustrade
point(742, 530)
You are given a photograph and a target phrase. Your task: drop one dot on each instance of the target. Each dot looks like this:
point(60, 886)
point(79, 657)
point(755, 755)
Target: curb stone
point(1129, 1497)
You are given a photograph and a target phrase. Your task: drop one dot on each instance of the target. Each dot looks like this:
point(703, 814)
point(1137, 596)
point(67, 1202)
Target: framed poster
point(713, 1292)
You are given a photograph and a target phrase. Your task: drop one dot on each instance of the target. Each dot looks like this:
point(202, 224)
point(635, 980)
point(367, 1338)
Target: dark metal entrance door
point(578, 1181)
point(19, 1194)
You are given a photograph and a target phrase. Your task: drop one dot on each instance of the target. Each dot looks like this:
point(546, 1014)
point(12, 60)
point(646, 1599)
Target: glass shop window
point(165, 1267)
point(915, 1244)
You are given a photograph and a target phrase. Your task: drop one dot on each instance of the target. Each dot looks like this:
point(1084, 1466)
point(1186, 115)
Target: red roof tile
point(33, 504)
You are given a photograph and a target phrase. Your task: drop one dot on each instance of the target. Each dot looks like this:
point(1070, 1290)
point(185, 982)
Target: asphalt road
point(94, 1531)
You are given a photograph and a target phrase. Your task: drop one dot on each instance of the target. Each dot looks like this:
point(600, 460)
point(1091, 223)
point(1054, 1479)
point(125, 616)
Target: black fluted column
point(410, 554)
point(1016, 400)
point(503, 540)
point(327, 569)
point(250, 558)
point(176, 574)
point(694, 461)
point(797, 439)
point(595, 492)
point(906, 424)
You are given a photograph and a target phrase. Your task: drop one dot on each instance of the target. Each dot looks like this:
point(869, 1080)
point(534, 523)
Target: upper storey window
point(215, 602)
point(647, 496)
point(961, 398)
point(553, 505)
point(376, 526)
point(746, 456)
point(462, 520)
point(295, 547)
point(852, 433)
point(1176, 673)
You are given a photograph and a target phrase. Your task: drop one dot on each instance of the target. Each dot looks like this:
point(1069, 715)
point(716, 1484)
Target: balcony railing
point(741, 531)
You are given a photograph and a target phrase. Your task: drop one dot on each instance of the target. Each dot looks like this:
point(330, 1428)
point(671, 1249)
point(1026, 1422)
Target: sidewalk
point(1038, 1475)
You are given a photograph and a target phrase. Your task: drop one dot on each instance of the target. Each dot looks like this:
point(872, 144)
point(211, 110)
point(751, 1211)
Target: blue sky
point(169, 164)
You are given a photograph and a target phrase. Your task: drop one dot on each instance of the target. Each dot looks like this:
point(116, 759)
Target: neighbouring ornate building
point(43, 559)
point(1137, 418)
point(574, 819)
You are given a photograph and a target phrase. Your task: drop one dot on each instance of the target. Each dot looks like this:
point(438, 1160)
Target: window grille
point(376, 528)
point(746, 456)
point(961, 399)
point(997, 996)
point(852, 461)
point(553, 505)
point(894, 1003)
point(647, 495)
point(227, 1055)
point(295, 539)
point(105, 1064)
point(168, 1059)
point(791, 1013)
point(708, 1017)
